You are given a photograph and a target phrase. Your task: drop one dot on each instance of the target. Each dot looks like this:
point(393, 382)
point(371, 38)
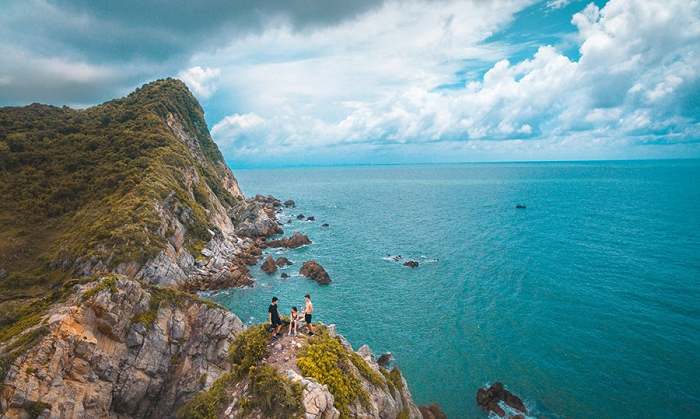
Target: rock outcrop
point(119, 348)
point(313, 270)
point(289, 204)
point(488, 399)
point(269, 266)
point(252, 220)
point(432, 411)
point(411, 264)
point(296, 240)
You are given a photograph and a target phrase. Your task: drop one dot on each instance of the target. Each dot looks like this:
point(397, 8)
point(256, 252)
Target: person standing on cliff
point(308, 309)
point(275, 319)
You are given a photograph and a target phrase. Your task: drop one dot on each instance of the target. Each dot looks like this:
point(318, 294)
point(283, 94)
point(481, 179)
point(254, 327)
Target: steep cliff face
point(121, 348)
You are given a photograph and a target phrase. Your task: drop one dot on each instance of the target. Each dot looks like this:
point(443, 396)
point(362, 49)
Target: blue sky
point(336, 82)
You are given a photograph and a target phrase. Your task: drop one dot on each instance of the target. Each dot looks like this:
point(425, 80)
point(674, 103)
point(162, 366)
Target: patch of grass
point(326, 360)
point(106, 281)
point(247, 349)
point(37, 408)
point(366, 371)
point(395, 382)
point(18, 347)
point(171, 296)
point(208, 404)
point(275, 396)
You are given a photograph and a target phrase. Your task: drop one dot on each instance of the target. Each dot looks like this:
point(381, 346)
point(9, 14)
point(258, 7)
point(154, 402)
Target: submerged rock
point(283, 261)
point(285, 275)
point(311, 219)
point(324, 225)
point(313, 270)
point(269, 266)
point(300, 217)
point(488, 398)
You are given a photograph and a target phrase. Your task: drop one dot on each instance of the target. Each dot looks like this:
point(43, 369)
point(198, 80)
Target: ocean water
point(586, 304)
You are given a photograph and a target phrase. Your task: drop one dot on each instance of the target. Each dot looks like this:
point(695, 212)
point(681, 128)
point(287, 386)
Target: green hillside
point(80, 185)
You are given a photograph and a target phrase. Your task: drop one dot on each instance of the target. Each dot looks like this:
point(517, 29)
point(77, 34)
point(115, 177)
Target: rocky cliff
point(110, 216)
point(123, 348)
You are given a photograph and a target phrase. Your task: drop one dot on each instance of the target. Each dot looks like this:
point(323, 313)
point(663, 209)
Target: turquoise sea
point(586, 304)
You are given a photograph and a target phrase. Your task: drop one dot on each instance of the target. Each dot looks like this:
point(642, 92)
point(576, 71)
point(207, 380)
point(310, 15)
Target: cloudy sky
point(342, 82)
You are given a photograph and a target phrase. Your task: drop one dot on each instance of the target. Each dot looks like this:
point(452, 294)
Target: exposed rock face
point(100, 359)
point(488, 398)
point(384, 403)
point(318, 401)
point(411, 264)
point(297, 240)
point(432, 412)
point(315, 271)
point(252, 220)
point(269, 266)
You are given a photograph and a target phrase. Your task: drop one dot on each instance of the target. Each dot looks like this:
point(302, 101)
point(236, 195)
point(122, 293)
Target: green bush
point(248, 348)
point(325, 359)
point(274, 395)
point(207, 405)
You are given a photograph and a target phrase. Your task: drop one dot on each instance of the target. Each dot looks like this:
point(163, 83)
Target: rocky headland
point(98, 316)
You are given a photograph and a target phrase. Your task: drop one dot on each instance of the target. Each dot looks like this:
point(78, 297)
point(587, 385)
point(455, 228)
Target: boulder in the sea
point(297, 240)
point(283, 261)
point(285, 275)
point(384, 359)
point(300, 217)
point(324, 225)
point(312, 218)
point(269, 266)
point(432, 412)
point(488, 398)
point(315, 271)
point(289, 203)
point(521, 206)
point(411, 264)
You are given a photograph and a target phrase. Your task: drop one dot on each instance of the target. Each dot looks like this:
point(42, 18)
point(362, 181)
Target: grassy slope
point(84, 183)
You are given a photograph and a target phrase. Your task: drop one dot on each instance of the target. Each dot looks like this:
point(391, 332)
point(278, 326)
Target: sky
point(324, 82)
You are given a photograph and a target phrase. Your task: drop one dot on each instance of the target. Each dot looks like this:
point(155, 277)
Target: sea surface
point(586, 304)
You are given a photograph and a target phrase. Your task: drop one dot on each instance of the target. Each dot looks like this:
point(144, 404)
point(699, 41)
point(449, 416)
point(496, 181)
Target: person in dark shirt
point(275, 319)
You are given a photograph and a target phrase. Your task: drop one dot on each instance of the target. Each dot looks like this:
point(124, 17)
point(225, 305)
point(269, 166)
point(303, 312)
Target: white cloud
point(202, 81)
point(557, 4)
point(635, 56)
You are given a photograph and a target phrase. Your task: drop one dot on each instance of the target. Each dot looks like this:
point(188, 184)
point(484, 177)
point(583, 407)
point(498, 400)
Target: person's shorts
point(276, 322)
point(293, 323)
point(307, 318)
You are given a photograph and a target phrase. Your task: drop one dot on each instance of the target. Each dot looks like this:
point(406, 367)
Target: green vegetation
point(18, 347)
point(274, 395)
point(395, 382)
point(86, 185)
point(208, 404)
point(37, 408)
point(325, 359)
point(107, 281)
point(171, 296)
point(366, 371)
point(247, 349)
